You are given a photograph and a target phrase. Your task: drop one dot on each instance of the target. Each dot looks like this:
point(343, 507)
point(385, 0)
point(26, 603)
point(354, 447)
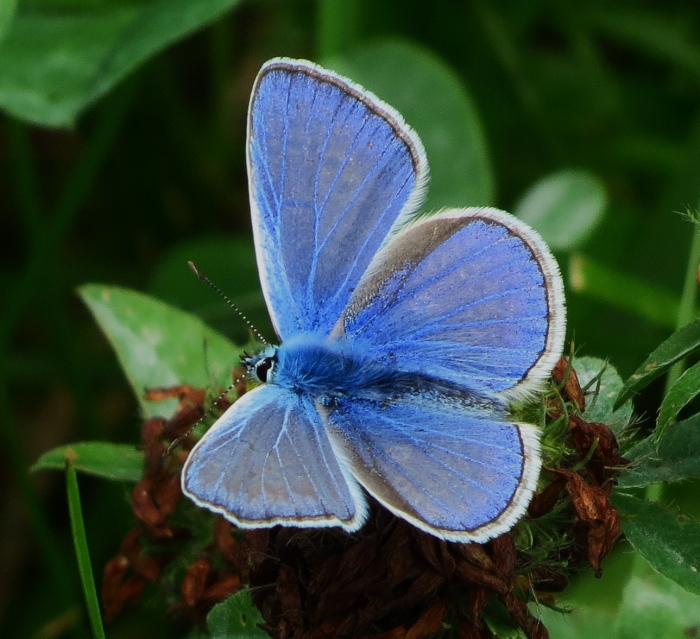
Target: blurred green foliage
point(122, 154)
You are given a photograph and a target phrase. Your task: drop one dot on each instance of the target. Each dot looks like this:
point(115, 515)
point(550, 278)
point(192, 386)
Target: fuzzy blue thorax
point(317, 367)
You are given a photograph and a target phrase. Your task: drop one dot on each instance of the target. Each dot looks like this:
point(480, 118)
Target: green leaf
point(674, 457)
point(654, 607)
point(120, 462)
point(236, 618)
point(432, 99)
point(339, 25)
point(683, 391)
point(593, 603)
point(54, 63)
point(665, 537)
point(499, 622)
point(158, 345)
point(82, 553)
point(602, 384)
point(682, 343)
point(583, 622)
point(650, 607)
point(632, 294)
point(565, 207)
point(7, 14)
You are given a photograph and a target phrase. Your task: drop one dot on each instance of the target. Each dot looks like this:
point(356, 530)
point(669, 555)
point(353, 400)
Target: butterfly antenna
point(226, 299)
point(208, 413)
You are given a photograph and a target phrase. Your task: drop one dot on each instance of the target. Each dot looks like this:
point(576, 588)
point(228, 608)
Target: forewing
point(331, 169)
point(461, 475)
point(472, 296)
point(268, 461)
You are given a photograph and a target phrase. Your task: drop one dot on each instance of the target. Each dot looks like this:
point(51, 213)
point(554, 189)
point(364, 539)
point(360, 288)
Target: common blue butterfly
point(403, 338)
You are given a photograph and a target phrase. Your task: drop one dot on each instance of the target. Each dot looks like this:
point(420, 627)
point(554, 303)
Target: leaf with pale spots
point(667, 538)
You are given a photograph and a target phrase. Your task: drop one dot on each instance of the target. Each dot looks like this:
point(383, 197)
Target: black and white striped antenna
point(227, 299)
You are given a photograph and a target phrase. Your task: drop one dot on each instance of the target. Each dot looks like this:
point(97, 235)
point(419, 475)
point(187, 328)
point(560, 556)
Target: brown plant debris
point(598, 525)
point(387, 581)
point(564, 375)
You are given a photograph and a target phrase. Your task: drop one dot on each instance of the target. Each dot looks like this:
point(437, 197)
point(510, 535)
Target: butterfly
point(404, 338)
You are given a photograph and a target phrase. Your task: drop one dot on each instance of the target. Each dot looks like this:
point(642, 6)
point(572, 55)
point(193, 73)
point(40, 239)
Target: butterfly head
point(262, 366)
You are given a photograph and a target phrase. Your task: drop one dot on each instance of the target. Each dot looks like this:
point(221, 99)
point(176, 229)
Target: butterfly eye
point(264, 368)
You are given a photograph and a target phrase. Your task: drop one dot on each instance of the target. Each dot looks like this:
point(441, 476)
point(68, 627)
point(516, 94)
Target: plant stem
point(25, 178)
point(221, 55)
point(82, 552)
point(338, 26)
point(686, 311)
point(593, 278)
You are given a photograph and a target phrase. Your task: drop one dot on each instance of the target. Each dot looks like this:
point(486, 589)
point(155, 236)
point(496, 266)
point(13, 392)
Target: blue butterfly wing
point(268, 461)
point(471, 296)
point(331, 169)
point(460, 474)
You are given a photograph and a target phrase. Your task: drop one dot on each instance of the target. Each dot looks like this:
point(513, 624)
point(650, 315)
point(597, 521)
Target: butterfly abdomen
point(329, 370)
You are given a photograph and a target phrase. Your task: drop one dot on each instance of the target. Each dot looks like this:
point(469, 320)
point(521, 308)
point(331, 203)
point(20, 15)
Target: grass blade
point(82, 554)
